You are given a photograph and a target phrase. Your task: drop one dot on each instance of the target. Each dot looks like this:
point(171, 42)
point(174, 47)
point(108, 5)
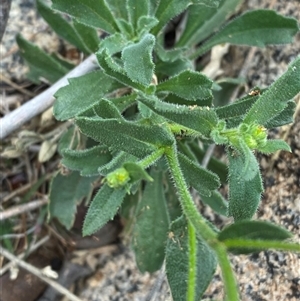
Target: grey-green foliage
point(151, 225)
point(144, 120)
point(177, 265)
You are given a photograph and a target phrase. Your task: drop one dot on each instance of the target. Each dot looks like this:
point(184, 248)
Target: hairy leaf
point(103, 208)
point(198, 177)
point(145, 24)
point(113, 43)
point(115, 71)
point(274, 100)
point(125, 28)
point(284, 117)
point(136, 172)
point(255, 28)
point(60, 25)
point(117, 161)
point(65, 29)
point(200, 119)
point(214, 164)
point(130, 137)
point(188, 84)
point(173, 204)
point(123, 102)
point(216, 202)
point(136, 9)
point(254, 230)
point(86, 161)
point(166, 10)
point(173, 68)
point(244, 195)
point(273, 146)
point(106, 109)
point(251, 167)
point(177, 266)
point(151, 227)
point(118, 8)
point(138, 62)
point(88, 35)
point(66, 193)
point(81, 93)
point(202, 21)
point(91, 13)
point(237, 108)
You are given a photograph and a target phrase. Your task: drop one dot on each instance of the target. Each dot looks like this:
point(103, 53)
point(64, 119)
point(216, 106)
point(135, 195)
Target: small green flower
point(118, 178)
point(256, 136)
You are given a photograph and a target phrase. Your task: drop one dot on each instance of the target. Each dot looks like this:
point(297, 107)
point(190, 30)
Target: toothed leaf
point(81, 93)
point(138, 62)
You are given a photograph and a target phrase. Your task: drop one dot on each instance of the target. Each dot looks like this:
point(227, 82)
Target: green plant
point(138, 123)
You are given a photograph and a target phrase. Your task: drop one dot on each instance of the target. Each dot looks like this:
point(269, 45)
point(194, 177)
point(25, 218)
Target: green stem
point(262, 244)
point(228, 277)
point(187, 202)
point(149, 160)
point(200, 225)
point(192, 263)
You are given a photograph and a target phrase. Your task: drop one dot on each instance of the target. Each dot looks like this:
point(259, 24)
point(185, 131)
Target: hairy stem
point(187, 203)
point(149, 160)
point(228, 277)
point(200, 225)
point(262, 244)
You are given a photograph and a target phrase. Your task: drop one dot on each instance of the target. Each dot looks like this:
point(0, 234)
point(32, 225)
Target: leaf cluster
point(143, 115)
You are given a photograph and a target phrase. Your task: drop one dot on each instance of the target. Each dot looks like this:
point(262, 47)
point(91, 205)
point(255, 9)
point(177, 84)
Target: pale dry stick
point(37, 272)
point(43, 101)
point(29, 251)
point(22, 208)
point(20, 235)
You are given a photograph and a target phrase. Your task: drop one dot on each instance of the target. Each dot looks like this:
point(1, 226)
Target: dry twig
point(31, 249)
point(43, 101)
point(39, 274)
point(15, 86)
point(22, 208)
